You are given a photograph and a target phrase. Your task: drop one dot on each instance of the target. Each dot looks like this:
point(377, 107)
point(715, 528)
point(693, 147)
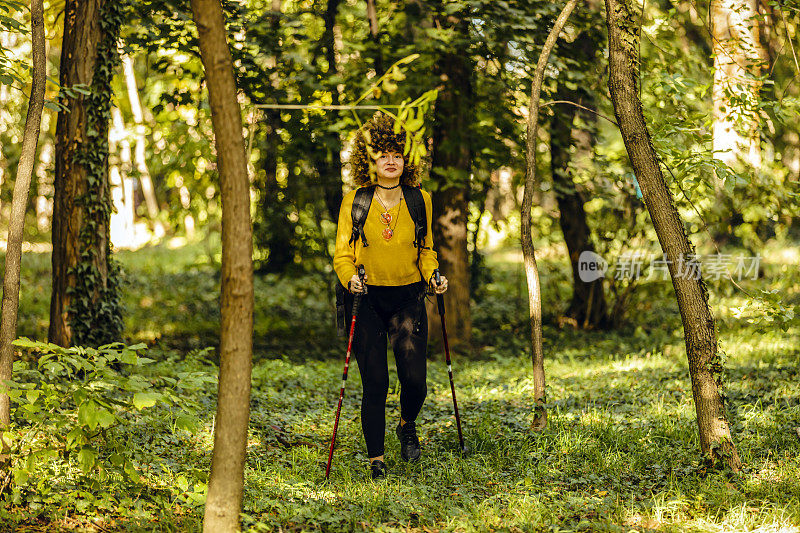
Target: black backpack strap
point(358, 213)
point(416, 208)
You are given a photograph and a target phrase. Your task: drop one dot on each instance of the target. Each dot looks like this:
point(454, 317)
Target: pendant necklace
point(386, 218)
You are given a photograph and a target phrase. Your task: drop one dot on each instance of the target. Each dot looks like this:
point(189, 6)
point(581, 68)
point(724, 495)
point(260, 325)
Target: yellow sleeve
point(428, 259)
point(344, 255)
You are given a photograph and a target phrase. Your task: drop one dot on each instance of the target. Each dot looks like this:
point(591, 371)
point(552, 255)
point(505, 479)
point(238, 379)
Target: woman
point(398, 275)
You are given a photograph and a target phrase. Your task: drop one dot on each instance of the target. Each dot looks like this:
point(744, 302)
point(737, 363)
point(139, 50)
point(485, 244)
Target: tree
point(84, 306)
point(327, 159)
point(531, 270)
point(226, 484)
point(588, 307)
point(705, 362)
point(738, 60)
point(372, 17)
point(450, 170)
point(141, 164)
point(33, 121)
point(271, 230)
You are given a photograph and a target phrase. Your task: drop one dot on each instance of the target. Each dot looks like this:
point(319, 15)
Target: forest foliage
point(120, 436)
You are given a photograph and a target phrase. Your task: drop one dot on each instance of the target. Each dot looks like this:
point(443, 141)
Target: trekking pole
point(356, 303)
point(440, 301)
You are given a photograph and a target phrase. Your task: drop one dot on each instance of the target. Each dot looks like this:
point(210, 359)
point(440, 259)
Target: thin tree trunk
point(19, 201)
point(738, 60)
point(531, 270)
point(705, 365)
point(372, 16)
point(44, 186)
point(122, 228)
point(141, 163)
point(226, 484)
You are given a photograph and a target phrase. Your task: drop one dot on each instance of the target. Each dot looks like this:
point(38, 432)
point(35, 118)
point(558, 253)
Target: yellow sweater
point(392, 262)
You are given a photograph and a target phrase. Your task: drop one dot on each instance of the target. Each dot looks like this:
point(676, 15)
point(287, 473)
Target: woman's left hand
point(442, 287)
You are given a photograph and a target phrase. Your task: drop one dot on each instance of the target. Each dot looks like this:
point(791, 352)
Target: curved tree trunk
point(226, 485)
point(705, 365)
point(531, 270)
point(33, 121)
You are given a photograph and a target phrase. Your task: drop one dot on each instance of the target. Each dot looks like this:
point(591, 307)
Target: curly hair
point(375, 136)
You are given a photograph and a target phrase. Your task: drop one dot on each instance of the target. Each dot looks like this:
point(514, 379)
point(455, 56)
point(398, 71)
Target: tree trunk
point(226, 484)
point(141, 163)
point(738, 60)
point(84, 306)
point(7, 41)
point(451, 167)
point(121, 223)
point(328, 160)
point(531, 270)
point(588, 308)
point(44, 186)
point(705, 364)
point(372, 17)
point(272, 232)
point(19, 201)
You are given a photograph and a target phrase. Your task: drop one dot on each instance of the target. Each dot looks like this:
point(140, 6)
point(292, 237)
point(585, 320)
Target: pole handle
point(439, 297)
point(361, 275)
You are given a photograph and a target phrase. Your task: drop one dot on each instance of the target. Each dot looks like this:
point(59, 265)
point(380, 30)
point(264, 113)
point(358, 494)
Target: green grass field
point(620, 453)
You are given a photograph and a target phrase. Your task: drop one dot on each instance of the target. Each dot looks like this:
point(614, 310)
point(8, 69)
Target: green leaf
point(25, 342)
point(33, 395)
point(187, 423)
point(21, 476)
point(105, 417)
point(146, 399)
point(130, 470)
point(75, 437)
point(87, 458)
point(88, 414)
point(128, 357)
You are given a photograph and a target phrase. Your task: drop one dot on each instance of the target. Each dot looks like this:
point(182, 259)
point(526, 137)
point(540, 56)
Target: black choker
point(388, 188)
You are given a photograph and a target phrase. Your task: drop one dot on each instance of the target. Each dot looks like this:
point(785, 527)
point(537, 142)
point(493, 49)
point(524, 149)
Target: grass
point(620, 452)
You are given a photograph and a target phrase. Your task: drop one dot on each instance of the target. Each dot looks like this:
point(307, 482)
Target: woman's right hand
point(355, 285)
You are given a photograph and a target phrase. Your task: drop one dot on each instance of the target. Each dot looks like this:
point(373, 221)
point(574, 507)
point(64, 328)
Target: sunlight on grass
point(620, 453)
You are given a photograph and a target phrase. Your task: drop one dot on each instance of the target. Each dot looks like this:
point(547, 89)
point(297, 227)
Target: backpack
point(361, 203)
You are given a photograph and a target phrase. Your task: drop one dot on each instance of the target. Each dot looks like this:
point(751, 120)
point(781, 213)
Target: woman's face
point(389, 165)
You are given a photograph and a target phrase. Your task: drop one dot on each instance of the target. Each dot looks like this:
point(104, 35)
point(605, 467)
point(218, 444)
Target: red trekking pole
point(440, 302)
point(356, 303)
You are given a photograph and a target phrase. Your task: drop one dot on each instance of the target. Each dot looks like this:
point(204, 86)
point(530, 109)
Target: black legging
point(399, 312)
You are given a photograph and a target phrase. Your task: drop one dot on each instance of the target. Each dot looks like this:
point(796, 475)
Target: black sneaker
point(378, 468)
point(409, 442)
